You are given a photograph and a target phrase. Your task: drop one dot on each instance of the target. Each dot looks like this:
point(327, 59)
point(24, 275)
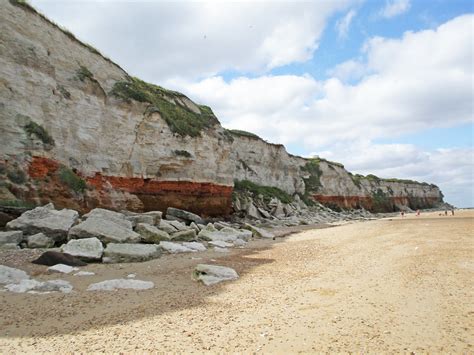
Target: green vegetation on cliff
point(171, 105)
point(34, 129)
point(268, 192)
point(312, 181)
point(381, 202)
point(69, 178)
point(240, 133)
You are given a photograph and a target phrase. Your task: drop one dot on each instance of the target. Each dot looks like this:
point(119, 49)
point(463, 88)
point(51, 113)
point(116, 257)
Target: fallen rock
point(221, 250)
point(88, 249)
point(212, 274)
point(252, 211)
point(186, 235)
point(107, 231)
point(226, 234)
point(50, 258)
point(195, 246)
point(221, 244)
point(9, 246)
point(84, 273)
point(40, 287)
point(112, 285)
point(195, 227)
point(151, 234)
point(11, 237)
point(10, 275)
point(175, 248)
point(55, 224)
point(151, 217)
point(61, 268)
point(167, 227)
point(129, 253)
point(259, 232)
point(112, 216)
point(178, 225)
point(183, 215)
point(40, 240)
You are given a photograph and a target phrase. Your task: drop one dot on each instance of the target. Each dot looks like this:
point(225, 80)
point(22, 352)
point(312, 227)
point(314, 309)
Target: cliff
point(79, 131)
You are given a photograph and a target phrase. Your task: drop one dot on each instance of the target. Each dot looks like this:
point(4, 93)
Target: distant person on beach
point(417, 213)
point(452, 212)
point(402, 214)
point(446, 212)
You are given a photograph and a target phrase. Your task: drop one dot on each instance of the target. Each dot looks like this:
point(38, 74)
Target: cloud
point(342, 26)
point(394, 8)
point(161, 40)
point(419, 81)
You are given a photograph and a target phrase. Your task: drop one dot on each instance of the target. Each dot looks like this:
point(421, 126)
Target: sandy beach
point(392, 285)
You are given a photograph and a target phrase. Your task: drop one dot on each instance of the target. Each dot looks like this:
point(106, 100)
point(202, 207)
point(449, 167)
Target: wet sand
point(392, 285)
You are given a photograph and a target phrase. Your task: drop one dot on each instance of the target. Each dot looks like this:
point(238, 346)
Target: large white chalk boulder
point(212, 274)
point(39, 240)
point(10, 275)
point(34, 286)
point(11, 237)
point(259, 232)
point(129, 253)
point(89, 249)
point(112, 285)
point(151, 234)
point(106, 230)
point(179, 214)
point(174, 248)
point(112, 216)
point(47, 220)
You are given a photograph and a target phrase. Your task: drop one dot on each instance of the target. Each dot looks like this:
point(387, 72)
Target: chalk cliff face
point(326, 182)
point(78, 131)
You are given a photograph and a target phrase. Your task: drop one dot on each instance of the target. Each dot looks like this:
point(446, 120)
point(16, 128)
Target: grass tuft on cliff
point(34, 129)
point(240, 133)
point(69, 178)
point(268, 192)
point(170, 104)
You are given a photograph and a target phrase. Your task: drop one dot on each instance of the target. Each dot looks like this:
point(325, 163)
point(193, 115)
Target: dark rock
point(51, 258)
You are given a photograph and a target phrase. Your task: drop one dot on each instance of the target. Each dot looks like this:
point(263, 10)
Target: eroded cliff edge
point(79, 131)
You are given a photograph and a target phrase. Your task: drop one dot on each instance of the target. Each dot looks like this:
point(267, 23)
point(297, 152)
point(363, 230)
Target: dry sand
point(393, 285)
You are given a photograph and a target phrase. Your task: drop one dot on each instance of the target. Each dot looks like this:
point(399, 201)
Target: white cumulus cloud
point(394, 8)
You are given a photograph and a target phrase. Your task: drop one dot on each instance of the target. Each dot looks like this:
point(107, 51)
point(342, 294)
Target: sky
point(384, 87)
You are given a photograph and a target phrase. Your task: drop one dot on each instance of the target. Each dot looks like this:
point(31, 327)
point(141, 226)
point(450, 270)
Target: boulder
point(111, 285)
point(129, 253)
point(226, 234)
point(55, 224)
point(10, 275)
point(112, 216)
point(252, 211)
point(221, 244)
point(174, 248)
point(40, 287)
point(50, 258)
point(9, 246)
point(259, 232)
point(88, 249)
point(151, 234)
point(264, 213)
point(183, 215)
point(11, 237)
point(84, 273)
point(178, 225)
point(195, 246)
point(107, 231)
point(221, 250)
point(195, 227)
point(184, 236)
point(152, 217)
point(40, 240)
point(212, 274)
point(167, 227)
point(61, 268)
point(239, 242)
